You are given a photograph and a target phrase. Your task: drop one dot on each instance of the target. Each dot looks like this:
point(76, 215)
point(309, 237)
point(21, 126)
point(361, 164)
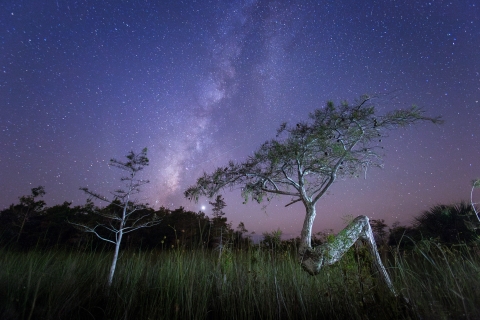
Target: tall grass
point(440, 283)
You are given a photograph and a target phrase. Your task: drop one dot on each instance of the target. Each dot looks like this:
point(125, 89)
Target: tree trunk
point(118, 241)
point(115, 257)
point(313, 260)
point(306, 234)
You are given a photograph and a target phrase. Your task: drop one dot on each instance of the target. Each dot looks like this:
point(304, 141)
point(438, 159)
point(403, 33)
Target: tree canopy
point(305, 159)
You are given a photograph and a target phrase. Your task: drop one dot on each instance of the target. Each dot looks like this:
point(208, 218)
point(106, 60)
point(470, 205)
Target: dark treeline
point(30, 224)
point(445, 224)
point(448, 225)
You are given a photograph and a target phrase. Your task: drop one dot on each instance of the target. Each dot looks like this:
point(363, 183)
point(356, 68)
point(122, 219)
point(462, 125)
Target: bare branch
point(144, 225)
point(86, 228)
point(292, 202)
point(121, 202)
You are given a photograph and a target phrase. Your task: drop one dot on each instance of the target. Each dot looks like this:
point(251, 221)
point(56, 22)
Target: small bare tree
point(126, 216)
point(305, 160)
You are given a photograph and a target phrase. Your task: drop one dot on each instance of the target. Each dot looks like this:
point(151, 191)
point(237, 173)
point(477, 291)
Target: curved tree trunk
point(306, 234)
point(313, 259)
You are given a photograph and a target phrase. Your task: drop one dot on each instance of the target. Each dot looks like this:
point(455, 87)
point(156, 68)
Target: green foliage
point(305, 159)
point(272, 240)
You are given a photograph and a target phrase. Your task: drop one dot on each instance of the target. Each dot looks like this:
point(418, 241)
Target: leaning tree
point(305, 160)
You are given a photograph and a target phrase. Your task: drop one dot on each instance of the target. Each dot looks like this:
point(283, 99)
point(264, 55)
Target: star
point(200, 84)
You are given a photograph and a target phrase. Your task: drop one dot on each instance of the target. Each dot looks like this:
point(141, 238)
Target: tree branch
point(85, 228)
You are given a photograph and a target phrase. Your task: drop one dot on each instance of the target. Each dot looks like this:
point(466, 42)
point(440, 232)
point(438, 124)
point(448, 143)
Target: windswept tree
point(306, 159)
point(123, 214)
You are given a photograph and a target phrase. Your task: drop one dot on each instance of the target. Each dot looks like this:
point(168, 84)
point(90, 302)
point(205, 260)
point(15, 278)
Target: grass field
point(440, 283)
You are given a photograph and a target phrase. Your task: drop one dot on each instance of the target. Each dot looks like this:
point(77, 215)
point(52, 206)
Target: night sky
point(203, 82)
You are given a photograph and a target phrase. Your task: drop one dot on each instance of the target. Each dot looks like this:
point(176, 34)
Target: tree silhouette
point(379, 230)
point(28, 206)
point(220, 228)
point(447, 223)
point(218, 206)
point(15, 220)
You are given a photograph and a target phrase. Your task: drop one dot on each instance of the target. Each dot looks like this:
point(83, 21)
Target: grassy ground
point(440, 283)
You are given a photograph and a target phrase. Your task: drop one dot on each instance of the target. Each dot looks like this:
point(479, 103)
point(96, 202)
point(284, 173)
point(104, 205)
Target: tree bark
point(314, 259)
point(118, 241)
point(115, 258)
point(306, 234)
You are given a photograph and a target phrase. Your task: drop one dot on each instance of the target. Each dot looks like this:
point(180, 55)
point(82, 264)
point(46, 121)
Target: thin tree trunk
point(115, 257)
point(306, 234)
point(117, 246)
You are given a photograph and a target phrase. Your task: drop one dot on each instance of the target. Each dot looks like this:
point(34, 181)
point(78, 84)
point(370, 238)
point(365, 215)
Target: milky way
point(201, 83)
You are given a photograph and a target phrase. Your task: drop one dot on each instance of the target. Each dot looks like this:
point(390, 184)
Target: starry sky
point(203, 82)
